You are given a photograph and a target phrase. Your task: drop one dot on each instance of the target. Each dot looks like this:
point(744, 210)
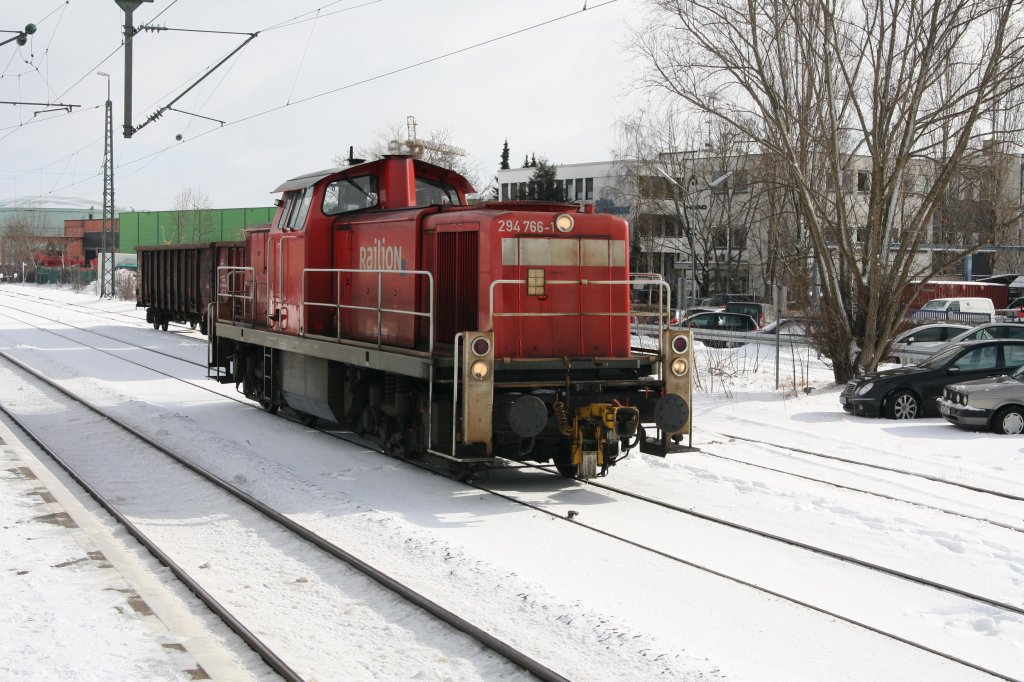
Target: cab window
point(350, 194)
point(299, 208)
point(431, 192)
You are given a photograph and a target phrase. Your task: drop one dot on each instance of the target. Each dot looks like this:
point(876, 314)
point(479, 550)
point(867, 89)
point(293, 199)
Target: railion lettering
point(380, 256)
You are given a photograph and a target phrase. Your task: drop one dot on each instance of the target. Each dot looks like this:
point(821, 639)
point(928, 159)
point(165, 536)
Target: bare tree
point(195, 220)
point(439, 149)
point(18, 242)
point(872, 112)
point(690, 189)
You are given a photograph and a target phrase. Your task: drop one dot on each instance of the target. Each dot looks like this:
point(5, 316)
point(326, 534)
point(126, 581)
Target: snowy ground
point(593, 608)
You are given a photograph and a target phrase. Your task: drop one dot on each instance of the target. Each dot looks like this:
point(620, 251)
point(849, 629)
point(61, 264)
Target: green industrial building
point(153, 228)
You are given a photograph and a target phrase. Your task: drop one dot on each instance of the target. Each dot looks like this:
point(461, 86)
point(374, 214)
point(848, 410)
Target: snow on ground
point(700, 619)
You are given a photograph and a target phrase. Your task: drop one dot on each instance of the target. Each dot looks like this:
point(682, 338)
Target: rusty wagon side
point(178, 281)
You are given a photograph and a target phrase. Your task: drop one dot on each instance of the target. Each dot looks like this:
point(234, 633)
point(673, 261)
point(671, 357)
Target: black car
point(908, 392)
point(719, 322)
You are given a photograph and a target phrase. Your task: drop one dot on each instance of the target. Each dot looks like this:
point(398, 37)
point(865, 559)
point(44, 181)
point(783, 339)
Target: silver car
point(996, 403)
point(925, 336)
point(990, 330)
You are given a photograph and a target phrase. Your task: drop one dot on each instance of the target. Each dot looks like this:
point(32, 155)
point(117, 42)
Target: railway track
point(787, 596)
point(75, 466)
point(103, 314)
point(779, 594)
point(875, 493)
point(879, 467)
point(6, 313)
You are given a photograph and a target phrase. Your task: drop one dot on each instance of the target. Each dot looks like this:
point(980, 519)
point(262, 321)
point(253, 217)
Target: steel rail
point(488, 640)
point(805, 546)
point(880, 467)
point(233, 624)
point(1008, 526)
point(734, 579)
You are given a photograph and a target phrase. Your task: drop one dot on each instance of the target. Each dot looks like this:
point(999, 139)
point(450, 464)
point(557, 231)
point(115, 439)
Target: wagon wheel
point(268, 405)
point(164, 323)
point(192, 324)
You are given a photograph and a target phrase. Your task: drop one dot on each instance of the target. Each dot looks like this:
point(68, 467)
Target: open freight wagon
point(178, 281)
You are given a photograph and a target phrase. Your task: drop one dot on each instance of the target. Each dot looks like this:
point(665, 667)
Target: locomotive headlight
point(479, 370)
point(564, 222)
point(679, 367)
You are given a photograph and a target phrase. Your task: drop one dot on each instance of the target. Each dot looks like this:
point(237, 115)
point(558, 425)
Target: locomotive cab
point(380, 300)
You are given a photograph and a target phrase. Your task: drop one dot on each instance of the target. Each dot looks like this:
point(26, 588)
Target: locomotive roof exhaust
point(352, 160)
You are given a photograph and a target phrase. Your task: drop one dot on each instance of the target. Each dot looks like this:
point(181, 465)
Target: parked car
point(792, 326)
point(911, 391)
point(924, 336)
point(763, 313)
point(720, 321)
point(680, 314)
point(989, 330)
point(1015, 309)
point(996, 404)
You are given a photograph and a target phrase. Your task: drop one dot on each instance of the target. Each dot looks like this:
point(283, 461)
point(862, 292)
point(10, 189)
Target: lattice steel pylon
point(106, 259)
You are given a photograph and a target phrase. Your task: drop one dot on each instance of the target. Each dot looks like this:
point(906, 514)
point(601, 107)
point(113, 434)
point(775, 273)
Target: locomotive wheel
point(308, 419)
point(268, 406)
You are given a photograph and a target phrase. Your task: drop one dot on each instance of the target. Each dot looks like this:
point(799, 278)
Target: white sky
point(555, 90)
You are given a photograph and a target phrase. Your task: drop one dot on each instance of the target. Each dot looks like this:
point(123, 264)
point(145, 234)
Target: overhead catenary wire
point(341, 88)
point(305, 51)
point(377, 77)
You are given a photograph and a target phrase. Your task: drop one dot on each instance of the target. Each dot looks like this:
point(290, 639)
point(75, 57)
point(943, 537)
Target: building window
point(863, 181)
point(579, 189)
point(739, 238)
point(740, 181)
point(504, 191)
point(590, 189)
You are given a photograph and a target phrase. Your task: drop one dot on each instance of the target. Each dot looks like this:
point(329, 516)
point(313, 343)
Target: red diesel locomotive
point(379, 300)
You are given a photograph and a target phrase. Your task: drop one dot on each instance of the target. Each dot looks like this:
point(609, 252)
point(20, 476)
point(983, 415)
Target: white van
point(945, 307)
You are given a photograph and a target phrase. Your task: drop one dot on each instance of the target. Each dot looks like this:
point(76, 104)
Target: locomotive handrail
point(381, 311)
point(227, 274)
point(650, 280)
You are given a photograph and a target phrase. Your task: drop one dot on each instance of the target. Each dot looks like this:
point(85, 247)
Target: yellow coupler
point(596, 431)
